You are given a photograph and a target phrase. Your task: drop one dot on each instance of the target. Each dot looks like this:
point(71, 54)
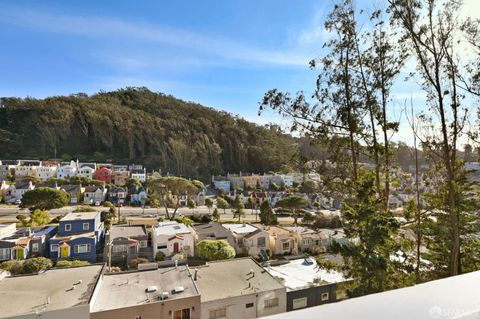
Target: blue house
point(79, 236)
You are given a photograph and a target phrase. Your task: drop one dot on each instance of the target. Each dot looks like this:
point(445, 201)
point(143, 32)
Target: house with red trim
point(173, 239)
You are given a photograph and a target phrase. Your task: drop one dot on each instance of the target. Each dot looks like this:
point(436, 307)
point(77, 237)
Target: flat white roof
point(80, 216)
point(171, 228)
point(453, 297)
point(240, 228)
point(298, 274)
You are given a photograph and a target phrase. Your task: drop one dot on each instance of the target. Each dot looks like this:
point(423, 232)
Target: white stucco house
point(68, 170)
point(173, 238)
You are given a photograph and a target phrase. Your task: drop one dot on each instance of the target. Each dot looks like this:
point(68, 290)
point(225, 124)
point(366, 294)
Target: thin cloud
point(112, 28)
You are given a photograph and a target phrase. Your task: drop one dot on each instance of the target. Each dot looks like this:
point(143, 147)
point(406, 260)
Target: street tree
point(45, 198)
point(294, 204)
point(215, 250)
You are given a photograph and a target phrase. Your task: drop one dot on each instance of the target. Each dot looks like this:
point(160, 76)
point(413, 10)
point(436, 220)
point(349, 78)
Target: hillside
point(137, 125)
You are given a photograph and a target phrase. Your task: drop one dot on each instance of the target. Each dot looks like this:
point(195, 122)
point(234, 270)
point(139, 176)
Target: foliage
point(293, 203)
point(372, 234)
point(107, 204)
point(222, 204)
point(44, 198)
point(168, 191)
point(209, 203)
point(216, 215)
point(215, 250)
point(63, 263)
point(184, 220)
point(86, 209)
point(28, 266)
point(159, 130)
point(237, 207)
point(267, 216)
point(327, 221)
point(159, 256)
point(22, 219)
point(308, 217)
point(133, 263)
point(40, 218)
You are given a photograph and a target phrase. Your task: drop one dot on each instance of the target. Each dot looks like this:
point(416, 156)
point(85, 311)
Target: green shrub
point(160, 256)
point(34, 265)
point(71, 263)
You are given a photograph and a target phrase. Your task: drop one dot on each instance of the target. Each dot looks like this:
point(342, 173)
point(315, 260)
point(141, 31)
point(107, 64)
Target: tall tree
point(294, 204)
point(44, 198)
point(267, 216)
point(237, 207)
point(431, 29)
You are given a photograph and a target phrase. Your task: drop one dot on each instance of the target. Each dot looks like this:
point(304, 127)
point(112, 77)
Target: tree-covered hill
point(137, 125)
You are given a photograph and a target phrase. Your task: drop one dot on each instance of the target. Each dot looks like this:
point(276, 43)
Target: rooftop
point(127, 231)
point(452, 297)
point(171, 228)
point(300, 230)
point(298, 274)
point(240, 228)
point(211, 230)
point(129, 289)
point(27, 294)
point(80, 216)
point(232, 278)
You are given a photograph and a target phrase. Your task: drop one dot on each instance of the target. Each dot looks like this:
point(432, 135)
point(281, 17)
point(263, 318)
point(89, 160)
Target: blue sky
point(223, 54)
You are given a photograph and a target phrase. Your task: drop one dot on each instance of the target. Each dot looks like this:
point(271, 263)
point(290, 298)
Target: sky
point(222, 54)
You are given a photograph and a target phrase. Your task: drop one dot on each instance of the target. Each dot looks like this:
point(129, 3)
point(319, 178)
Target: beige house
point(308, 239)
point(120, 177)
point(238, 288)
point(168, 293)
point(281, 240)
point(249, 239)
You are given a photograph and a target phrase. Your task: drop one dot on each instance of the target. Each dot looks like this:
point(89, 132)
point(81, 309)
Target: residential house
point(74, 191)
point(297, 178)
point(103, 174)
point(250, 182)
point(249, 239)
point(53, 294)
point(27, 168)
point(46, 172)
point(264, 181)
point(14, 192)
point(67, 170)
point(79, 237)
point(120, 178)
point(307, 285)
point(7, 167)
point(309, 240)
point(213, 231)
point(138, 195)
point(124, 243)
point(140, 174)
point(26, 242)
point(173, 238)
point(333, 235)
point(94, 195)
point(238, 289)
point(117, 195)
point(281, 240)
point(222, 183)
point(168, 293)
point(236, 181)
point(87, 170)
point(3, 188)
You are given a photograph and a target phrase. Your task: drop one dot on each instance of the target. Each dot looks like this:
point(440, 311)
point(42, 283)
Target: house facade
point(79, 236)
point(281, 240)
point(117, 195)
point(173, 238)
point(124, 243)
point(14, 193)
point(26, 243)
point(103, 174)
point(248, 239)
point(74, 191)
point(67, 170)
point(94, 195)
point(120, 177)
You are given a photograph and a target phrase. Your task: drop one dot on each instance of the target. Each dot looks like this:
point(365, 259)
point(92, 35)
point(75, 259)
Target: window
point(286, 245)
point(299, 303)
point(325, 296)
point(218, 313)
point(35, 247)
point(182, 314)
point(81, 249)
point(54, 248)
point(249, 305)
point(307, 241)
point(119, 248)
point(68, 227)
point(143, 244)
point(138, 317)
point(4, 253)
point(86, 226)
point(271, 303)
point(261, 241)
point(162, 246)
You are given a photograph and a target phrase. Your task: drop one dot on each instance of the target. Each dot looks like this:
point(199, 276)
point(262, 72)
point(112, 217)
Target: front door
point(64, 252)
point(20, 253)
point(176, 247)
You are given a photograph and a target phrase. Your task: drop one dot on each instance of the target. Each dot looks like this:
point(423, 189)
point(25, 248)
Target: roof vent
point(178, 289)
point(151, 289)
point(163, 295)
